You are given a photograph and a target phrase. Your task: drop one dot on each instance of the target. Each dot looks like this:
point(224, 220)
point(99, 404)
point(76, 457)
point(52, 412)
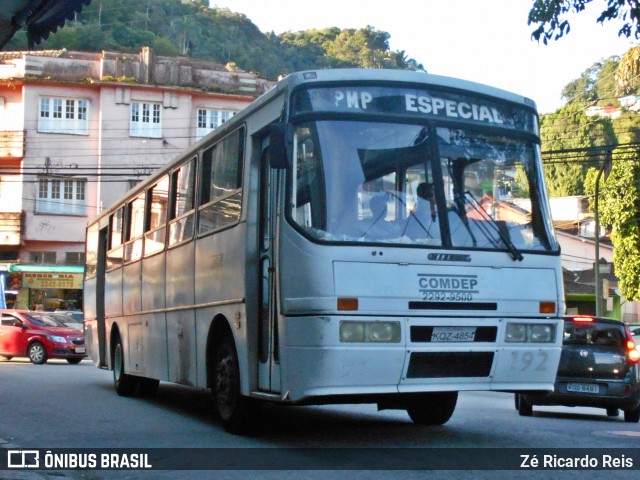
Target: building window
point(145, 120)
point(74, 258)
point(9, 256)
point(61, 197)
point(42, 258)
point(208, 120)
point(63, 115)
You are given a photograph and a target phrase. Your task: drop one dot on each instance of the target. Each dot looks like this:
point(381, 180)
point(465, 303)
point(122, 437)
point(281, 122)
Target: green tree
point(550, 16)
point(619, 212)
point(596, 85)
point(567, 135)
point(619, 203)
point(628, 72)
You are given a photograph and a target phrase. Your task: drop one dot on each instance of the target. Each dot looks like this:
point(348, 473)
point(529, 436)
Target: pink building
point(77, 130)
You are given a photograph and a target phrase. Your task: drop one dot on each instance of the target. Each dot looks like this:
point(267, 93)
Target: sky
point(486, 41)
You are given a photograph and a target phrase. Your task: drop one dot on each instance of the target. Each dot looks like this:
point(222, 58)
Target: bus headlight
point(541, 333)
point(369, 332)
point(532, 333)
point(352, 331)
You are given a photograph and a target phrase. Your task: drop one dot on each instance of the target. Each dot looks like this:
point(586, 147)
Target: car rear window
point(594, 333)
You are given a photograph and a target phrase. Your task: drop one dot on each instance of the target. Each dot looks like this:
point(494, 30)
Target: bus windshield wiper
point(483, 226)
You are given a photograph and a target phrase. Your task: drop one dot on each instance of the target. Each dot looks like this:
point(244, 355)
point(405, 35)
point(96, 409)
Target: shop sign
point(52, 280)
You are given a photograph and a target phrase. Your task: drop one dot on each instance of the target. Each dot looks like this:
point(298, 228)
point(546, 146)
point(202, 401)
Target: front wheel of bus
point(525, 409)
point(432, 408)
point(236, 411)
point(125, 384)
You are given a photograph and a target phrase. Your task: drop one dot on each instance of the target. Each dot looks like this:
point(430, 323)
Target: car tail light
point(583, 319)
point(633, 354)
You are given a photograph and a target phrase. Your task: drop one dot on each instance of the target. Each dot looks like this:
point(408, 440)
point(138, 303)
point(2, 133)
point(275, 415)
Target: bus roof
point(403, 76)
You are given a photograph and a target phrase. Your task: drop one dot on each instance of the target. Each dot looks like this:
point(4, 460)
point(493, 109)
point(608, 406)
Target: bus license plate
point(453, 334)
point(583, 388)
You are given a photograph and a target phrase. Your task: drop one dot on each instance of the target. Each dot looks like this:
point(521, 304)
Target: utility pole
point(604, 169)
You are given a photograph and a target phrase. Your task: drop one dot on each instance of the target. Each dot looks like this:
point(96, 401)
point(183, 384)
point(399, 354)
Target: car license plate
point(583, 387)
point(81, 350)
point(453, 334)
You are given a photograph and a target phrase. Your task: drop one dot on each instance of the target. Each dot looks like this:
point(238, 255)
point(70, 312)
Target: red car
point(25, 333)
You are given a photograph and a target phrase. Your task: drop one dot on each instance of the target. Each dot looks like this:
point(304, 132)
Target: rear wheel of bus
point(432, 408)
point(125, 384)
point(237, 412)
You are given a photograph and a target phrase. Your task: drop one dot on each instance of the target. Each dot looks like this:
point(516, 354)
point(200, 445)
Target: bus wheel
point(432, 408)
point(37, 353)
point(125, 384)
point(525, 409)
point(237, 412)
point(148, 387)
point(632, 416)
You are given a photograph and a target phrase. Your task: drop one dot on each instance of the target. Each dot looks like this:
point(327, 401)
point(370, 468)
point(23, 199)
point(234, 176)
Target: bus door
point(268, 348)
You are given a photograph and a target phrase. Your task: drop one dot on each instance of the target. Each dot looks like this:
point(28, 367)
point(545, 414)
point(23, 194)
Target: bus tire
point(525, 409)
point(632, 416)
point(125, 384)
point(148, 387)
point(37, 353)
point(238, 413)
point(432, 408)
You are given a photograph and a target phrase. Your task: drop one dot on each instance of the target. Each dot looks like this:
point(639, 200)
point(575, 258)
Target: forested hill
point(191, 28)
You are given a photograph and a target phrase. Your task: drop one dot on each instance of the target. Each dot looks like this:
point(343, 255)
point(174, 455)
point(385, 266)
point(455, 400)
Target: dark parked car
point(635, 328)
point(39, 336)
point(598, 368)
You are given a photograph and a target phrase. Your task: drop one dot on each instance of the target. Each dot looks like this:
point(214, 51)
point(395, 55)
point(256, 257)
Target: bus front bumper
point(316, 364)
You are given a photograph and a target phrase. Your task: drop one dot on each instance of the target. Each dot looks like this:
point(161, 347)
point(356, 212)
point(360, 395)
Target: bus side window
point(114, 247)
point(182, 203)
point(155, 232)
point(91, 256)
point(135, 228)
point(221, 186)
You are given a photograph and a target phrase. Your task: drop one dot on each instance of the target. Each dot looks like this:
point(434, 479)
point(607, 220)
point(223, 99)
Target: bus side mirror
point(280, 145)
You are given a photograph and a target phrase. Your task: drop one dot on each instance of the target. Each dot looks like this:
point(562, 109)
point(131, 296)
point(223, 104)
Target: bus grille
point(449, 364)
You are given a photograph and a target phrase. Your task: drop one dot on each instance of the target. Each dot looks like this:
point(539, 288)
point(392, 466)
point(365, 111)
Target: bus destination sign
point(451, 105)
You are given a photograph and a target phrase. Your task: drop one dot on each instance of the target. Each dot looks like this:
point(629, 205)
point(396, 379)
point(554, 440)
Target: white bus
point(353, 236)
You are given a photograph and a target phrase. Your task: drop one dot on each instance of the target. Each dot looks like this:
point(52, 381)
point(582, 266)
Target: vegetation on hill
point(191, 28)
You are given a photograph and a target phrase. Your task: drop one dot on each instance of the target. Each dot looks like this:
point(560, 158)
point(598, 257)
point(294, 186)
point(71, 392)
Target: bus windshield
point(394, 183)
